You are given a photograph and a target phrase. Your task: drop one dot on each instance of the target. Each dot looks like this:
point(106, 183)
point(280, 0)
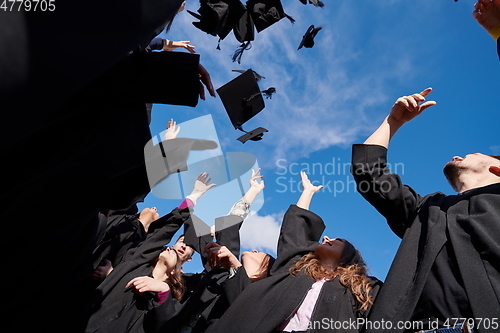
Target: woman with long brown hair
point(312, 287)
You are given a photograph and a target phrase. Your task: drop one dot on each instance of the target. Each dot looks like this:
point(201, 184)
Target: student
point(132, 230)
point(309, 281)
point(203, 289)
point(448, 263)
point(90, 145)
point(118, 304)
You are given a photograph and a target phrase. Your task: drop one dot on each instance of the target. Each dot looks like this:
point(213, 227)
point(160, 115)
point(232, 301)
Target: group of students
point(143, 287)
point(118, 275)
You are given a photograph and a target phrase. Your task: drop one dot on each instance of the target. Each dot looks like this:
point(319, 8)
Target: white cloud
point(261, 233)
point(323, 93)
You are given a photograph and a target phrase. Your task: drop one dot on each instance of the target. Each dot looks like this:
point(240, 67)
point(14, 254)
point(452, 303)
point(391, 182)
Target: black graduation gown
point(472, 220)
point(265, 304)
point(115, 309)
point(203, 289)
point(498, 47)
point(71, 150)
point(118, 238)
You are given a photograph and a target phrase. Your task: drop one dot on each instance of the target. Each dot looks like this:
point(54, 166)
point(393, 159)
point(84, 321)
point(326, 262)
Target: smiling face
point(329, 252)
point(475, 163)
point(185, 252)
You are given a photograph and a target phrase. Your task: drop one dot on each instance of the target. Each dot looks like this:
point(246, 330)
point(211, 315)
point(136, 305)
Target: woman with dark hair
point(312, 287)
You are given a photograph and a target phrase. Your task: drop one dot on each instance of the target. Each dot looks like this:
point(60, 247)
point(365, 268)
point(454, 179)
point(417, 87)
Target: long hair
point(177, 284)
point(352, 273)
point(175, 281)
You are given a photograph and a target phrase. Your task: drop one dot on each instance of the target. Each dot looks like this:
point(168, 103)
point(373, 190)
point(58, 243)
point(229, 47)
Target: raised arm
point(308, 191)
point(242, 206)
point(404, 109)
point(382, 189)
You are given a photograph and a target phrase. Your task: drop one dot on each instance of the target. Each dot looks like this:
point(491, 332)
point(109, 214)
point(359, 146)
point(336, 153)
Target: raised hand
point(205, 81)
point(253, 181)
point(487, 13)
point(408, 107)
point(172, 130)
point(169, 45)
point(307, 185)
point(201, 186)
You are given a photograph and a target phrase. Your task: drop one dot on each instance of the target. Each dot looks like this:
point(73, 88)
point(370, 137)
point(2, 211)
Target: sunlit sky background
point(369, 53)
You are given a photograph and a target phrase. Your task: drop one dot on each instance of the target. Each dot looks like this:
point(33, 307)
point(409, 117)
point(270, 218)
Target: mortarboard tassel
point(292, 20)
point(239, 51)
point(269, 92)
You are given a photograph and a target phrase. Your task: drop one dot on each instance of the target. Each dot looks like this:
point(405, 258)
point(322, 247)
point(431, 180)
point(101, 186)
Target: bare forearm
point(251, 194)
point(305, 199)
point(384, 133)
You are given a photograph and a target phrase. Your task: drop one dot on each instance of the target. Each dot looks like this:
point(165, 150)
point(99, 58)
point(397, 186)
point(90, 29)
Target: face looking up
point(256, 264)
point(169, 257)
point(329, 252)
point(472, 163)
point(185, 252)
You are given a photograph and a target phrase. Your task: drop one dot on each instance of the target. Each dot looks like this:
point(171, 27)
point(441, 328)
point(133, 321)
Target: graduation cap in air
point(257, 75)
point(316, 3)
point(218, 18)
point(308, 38)
point(242, 99)
point(266, 12)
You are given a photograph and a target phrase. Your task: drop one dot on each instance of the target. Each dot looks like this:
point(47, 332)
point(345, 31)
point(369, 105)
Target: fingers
point(202, 177)
point(303, 176)
point(205, 79)
point(413, 102)
point(426, 92)
point(426, 105)
point(209, 246)
point(131, 282)
point(202, 92)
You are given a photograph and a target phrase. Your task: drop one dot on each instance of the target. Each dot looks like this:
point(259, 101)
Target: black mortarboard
point(242, 99)
point(254, 135)
point(244, 28)
point(218, 18)
point(316, 3)
point(257, 75)
point(266, 12)
point(308, 38)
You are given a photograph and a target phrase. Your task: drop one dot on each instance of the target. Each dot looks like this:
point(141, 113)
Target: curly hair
point(352, 273)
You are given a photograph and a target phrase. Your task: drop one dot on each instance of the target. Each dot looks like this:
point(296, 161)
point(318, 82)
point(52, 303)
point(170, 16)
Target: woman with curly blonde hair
point(312, 287)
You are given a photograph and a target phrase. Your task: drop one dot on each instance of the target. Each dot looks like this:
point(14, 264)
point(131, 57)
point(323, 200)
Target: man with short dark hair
point(448, 264)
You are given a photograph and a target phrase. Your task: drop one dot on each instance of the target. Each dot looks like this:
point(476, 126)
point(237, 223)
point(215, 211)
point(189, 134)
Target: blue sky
point(335, 94)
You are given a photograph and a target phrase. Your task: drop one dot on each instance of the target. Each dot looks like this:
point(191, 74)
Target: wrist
point(495, 32)
point(394, 123)
point(308, 191)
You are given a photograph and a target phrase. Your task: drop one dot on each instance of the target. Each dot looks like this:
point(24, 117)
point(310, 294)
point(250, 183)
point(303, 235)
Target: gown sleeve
point(384, 190)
